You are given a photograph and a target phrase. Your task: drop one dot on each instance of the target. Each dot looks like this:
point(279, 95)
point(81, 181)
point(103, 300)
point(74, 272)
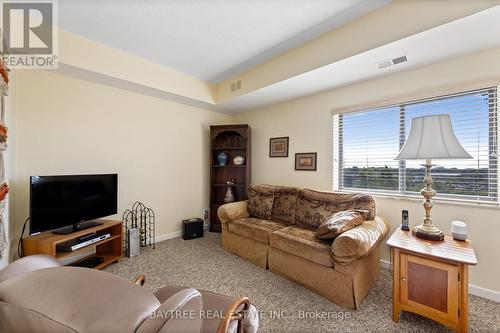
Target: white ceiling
point(465, 35)
point(209, 39)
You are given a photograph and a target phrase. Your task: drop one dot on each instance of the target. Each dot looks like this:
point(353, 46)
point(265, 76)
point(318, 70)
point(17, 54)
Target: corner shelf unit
point(234, 140)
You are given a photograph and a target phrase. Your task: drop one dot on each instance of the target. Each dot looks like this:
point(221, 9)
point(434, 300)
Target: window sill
point(420, 199)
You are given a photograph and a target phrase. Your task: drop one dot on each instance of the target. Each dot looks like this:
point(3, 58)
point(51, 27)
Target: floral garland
point(4, 187)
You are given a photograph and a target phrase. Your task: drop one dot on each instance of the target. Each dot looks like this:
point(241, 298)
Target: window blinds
point(367, 142)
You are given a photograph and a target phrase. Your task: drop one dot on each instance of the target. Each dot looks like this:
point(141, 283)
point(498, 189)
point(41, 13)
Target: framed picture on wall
point(306, 161)
point(278, 147)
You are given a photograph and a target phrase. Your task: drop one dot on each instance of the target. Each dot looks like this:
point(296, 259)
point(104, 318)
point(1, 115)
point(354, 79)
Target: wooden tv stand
point(110, 249)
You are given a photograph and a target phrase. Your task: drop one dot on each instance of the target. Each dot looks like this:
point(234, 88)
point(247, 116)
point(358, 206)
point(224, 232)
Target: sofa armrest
point(359, 241)
point(233, 211)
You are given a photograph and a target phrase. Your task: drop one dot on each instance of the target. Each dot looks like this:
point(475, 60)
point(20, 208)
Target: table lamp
point(431, 138)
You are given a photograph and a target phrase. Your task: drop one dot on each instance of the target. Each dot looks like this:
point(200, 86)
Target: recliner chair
point(38, 295)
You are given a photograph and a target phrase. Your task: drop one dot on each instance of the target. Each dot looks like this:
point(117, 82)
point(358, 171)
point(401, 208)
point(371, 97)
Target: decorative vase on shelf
point(229, 195)
point(222, 158)
point(239, 160)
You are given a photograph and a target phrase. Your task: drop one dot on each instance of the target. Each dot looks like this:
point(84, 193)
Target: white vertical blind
point(368, 141)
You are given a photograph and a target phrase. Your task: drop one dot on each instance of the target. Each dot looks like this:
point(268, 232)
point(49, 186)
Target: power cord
point(20, 251)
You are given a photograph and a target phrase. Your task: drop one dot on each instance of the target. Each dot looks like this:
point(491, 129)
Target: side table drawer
point(429, 287)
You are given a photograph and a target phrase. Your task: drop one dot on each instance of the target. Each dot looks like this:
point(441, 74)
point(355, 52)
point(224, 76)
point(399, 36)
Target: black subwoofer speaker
point(192, 228)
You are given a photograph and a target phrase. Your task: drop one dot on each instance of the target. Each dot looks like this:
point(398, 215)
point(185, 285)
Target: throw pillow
point(314, 207)
point(340, 222)
point(260, 201)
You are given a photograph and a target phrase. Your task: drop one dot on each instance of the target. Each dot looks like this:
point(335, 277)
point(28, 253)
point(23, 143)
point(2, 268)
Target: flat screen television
point(66, 204)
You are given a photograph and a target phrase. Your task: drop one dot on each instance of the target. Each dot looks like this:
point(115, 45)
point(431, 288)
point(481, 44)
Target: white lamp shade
point(432, 137)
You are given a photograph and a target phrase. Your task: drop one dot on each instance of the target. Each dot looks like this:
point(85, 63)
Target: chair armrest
point(179, 313)
point(233, 211)
point(235, 312)
point(141, 280)
point(166, 292)
point(216, 303)
point(359, 241)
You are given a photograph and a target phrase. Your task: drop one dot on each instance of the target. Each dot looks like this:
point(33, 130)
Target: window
point(366, 143)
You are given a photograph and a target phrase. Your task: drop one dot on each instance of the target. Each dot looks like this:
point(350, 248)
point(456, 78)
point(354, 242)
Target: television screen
point(60, 201)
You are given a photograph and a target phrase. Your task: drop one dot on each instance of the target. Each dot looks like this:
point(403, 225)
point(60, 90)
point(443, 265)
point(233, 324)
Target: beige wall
point(158, 148)
point(308, 123)
point(96, 58)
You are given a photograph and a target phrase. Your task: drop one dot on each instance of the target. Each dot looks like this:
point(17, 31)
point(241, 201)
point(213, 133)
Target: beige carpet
point(203, 264)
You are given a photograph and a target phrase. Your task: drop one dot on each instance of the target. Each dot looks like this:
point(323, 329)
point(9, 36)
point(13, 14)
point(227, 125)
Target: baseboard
point(473, 290)
point(175, 234)
point(171, 235)
point(385, 264)
point(484, 293)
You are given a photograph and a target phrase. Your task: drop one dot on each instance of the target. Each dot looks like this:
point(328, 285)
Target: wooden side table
point(430, 278)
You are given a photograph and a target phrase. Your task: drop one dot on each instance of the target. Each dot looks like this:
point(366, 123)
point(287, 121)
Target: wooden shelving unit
point(229, 166)
point(232, 148)
point(110, 249)
point(234, 140)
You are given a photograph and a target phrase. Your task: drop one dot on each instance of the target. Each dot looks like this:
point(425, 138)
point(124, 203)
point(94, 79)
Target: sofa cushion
point(303, 243)
point(340, 222)
point(313, 207)
point(254, 228)
point(284, 204)
point(260, 201)
point(359, 241)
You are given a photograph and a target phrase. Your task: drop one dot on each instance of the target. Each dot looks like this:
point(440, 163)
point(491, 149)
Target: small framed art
point(306, 161)
point(278, 147)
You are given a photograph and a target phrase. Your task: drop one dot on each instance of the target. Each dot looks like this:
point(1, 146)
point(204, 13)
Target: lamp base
point(428, 232)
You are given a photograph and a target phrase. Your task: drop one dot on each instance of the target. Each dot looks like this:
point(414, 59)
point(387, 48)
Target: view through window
point(367, 143)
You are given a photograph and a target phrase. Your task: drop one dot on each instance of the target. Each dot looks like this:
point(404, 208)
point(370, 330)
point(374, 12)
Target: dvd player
point(83, 241)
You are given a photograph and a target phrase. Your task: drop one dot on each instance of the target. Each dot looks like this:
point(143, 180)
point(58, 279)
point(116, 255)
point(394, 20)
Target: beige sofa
point(342, 270)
